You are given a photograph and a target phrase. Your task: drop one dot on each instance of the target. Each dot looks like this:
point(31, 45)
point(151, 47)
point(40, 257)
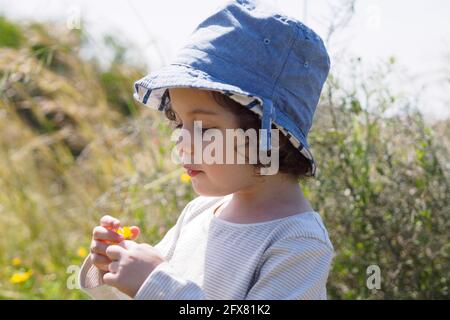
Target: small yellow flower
point(82, 252)
point(185, 178)
point(125, 232)
point(16, 261)
point(20, 277)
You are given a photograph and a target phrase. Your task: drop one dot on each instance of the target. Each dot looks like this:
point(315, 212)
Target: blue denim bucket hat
point(270, 63)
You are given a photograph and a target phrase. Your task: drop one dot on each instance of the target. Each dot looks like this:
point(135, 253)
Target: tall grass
point(72, 149)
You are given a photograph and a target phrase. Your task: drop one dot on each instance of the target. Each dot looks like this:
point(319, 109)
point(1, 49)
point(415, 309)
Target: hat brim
point(150, 89)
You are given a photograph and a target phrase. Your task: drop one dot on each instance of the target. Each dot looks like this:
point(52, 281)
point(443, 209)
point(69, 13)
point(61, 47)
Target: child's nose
point(185, 143)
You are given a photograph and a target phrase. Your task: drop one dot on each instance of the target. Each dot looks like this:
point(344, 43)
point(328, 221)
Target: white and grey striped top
point(211, 258)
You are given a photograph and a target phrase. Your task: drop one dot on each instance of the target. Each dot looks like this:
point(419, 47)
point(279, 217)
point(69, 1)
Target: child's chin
point(207, 191)
point(203, 189)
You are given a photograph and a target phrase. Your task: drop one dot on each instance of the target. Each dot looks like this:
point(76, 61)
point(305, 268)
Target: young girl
point(250, 234)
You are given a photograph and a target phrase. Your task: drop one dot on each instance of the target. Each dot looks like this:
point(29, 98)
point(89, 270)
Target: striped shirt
point(207, 257)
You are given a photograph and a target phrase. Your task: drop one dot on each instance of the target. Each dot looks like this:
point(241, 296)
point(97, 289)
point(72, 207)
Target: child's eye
point(177, 125)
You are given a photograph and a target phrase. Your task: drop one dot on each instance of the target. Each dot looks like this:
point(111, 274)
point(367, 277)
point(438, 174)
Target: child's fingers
point(135, 231)
point(100, 261)
point(110, 222)
point(113, 267)
point(101, 233)
point(127, 244)
point(110, 278)
point(99, 247)
point(114, 252)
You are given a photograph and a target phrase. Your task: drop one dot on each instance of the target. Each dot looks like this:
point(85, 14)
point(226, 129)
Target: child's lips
point(191, 172)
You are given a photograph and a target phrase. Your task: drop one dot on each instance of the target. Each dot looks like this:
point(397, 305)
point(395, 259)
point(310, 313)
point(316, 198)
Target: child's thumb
point(135, 231)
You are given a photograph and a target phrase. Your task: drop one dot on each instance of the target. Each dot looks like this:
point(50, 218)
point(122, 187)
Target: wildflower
point(16, 261)
point(20, 277)
point(81, 252)
point(125, 232)
point(185, 178)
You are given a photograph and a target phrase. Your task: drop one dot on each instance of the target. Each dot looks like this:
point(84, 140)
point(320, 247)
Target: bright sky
point(416, 32)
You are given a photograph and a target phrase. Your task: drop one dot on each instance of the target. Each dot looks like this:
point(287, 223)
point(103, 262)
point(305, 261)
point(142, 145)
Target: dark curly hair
point(291, 161)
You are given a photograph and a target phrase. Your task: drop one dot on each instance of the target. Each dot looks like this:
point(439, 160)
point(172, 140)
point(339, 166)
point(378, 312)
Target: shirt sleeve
point(165, 245)
point(90, 278)
point(293, 269)
point(90, 281)
point(163, 284)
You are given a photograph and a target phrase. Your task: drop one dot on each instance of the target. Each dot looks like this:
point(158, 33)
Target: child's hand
point(131, 264)
point(105, 235)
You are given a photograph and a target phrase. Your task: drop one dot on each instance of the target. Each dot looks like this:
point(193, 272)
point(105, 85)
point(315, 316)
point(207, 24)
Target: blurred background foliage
point(74, 145)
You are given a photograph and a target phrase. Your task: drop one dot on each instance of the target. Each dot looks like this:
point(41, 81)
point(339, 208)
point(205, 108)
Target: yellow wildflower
point(125, 232)
point(81, 252)
point(185, 178)
point(20, 277)
point(16, 261)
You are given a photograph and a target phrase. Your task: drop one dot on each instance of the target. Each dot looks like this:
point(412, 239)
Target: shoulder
point(300, 241)
point(197, 206)
point(302, 229)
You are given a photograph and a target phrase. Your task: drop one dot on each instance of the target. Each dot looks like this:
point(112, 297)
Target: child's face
point(191, 105)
